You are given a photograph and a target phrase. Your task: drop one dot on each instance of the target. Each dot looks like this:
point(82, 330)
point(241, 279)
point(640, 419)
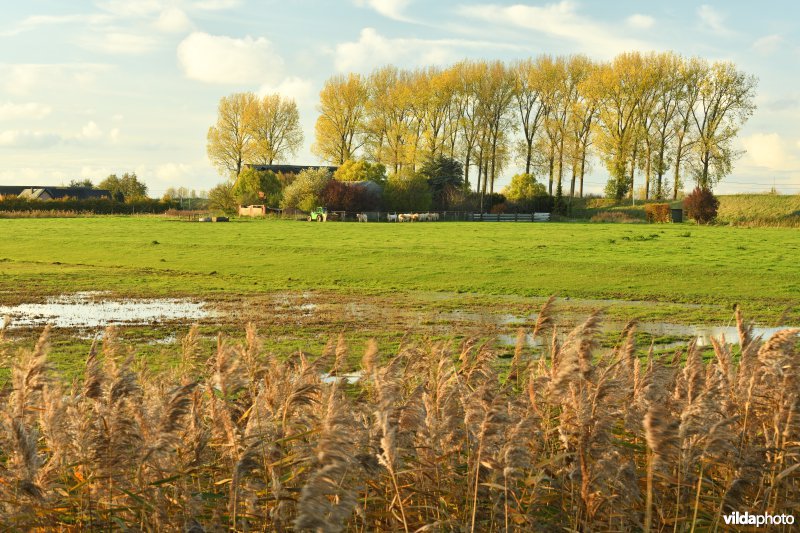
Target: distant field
point(154, 256)
point(766, 210)
point(763, 209)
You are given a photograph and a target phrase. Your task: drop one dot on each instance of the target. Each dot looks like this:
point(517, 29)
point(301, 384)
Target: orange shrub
point(657, 213)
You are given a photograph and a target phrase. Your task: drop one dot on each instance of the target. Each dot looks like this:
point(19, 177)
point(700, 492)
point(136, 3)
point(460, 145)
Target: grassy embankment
point(755, 210)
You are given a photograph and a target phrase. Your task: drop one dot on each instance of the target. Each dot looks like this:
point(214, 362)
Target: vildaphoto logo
point(746, 519)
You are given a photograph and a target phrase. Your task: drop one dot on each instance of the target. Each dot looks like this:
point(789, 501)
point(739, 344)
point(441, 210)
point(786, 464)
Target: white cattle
point(391, 217)
point(361, 217)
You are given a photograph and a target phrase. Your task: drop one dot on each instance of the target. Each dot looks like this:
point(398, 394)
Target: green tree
point(444, 176)
point(128, 188)
point(87, 183)
point(306, 191)
point(361, 170)
point(221, 198)
point(257, 187)
point(407, 191)
point(523, 189)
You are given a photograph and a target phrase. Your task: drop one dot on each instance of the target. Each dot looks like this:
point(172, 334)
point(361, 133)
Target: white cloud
point(767, 150)
point(173, 20)
point(560, 20)
point(131, 8)
point(392, 9)
point(712, 19)
point(640, 22)
point(120, 43)
point(90, 132)
point(113, 135)
point(27, 111)
point(37, 21)
point(373, 49)
point(299, 89)
point(24, 78)
point(28, 139)
point(173, 172)
point(216, 5)
point(220, 59)
point(768, 45)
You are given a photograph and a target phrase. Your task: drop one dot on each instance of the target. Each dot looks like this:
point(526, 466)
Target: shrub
point(701, 205)
point(305, 192)
point(407, 191)
point(524, 190)
point(257, 187)
point(614, 216)
point(338, 196)
point(222, 198)
point(657, 213)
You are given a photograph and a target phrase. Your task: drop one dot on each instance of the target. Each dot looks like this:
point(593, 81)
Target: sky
point(90, 88)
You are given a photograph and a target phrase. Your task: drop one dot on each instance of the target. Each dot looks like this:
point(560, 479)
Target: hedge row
point(97, 206)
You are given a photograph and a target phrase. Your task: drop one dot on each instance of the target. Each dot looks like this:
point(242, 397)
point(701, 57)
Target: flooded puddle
point(701, 334)
point(349, 378)
point(92, 310)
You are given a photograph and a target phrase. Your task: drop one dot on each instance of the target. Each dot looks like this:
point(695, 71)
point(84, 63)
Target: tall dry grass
point(431, 438)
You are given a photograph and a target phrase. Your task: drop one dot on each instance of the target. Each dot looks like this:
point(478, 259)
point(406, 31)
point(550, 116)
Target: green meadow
point(149, 256)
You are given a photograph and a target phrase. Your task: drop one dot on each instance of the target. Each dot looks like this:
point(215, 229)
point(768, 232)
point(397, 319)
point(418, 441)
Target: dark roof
point(290, 169)
point(15, 189)
point(80, 193)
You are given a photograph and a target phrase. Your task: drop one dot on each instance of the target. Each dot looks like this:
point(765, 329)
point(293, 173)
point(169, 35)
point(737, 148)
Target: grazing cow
point(401, 217)
point(361, 217)
point(415, 218)
point(434, 217)
point(423, 217)
point(391, 217)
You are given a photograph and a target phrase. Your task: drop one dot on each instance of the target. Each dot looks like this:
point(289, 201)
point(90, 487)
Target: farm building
point(53, 193)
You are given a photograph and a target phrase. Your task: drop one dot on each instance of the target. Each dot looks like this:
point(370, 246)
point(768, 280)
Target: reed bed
point(431, 438)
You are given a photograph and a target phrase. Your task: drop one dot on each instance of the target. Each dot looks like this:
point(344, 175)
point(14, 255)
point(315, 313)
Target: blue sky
point(88, 88)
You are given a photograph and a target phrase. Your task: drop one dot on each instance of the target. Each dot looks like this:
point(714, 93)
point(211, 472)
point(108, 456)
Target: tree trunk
point(494, 160)
point(560, 161)
point(633, 173)
point(583, 168)
point(660, 174)
point(572, 182)
point(529, 157)
point(647, 173)
point(678, 154)
point(466, 169)
point(551, 161)
point(704, 176)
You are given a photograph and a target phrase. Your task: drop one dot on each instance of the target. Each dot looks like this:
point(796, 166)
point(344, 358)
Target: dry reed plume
point(570, 437)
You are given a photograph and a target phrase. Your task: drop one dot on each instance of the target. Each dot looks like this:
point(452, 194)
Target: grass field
point(152, 256)
point(439, 280)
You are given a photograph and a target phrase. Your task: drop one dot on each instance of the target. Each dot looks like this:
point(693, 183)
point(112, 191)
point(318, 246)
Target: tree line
point(654, 112)
point(668, 118)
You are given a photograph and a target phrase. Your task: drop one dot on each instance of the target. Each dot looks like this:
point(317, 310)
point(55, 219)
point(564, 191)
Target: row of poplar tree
point(663, 115)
